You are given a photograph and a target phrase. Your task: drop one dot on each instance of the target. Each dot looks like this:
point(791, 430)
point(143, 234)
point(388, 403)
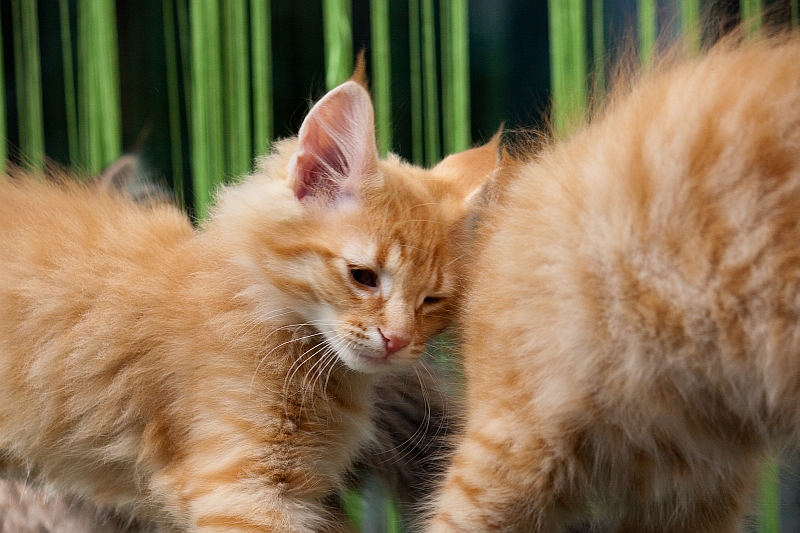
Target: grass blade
point(690, 24)
point(430, 84)
point(446, 69)
point(207, 122)
point(415, 61)
point(381, 73)
point(647, 31)
point(338, 41)
point(751, 13)
point(455, 75)
point(261, 50)
point(237, 87)
point(567, 62)
point(108, 80)
point(28, 76)
point(598, 49)
point(100, 124)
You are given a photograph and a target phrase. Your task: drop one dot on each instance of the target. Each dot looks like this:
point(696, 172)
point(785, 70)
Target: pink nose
point(394, 341)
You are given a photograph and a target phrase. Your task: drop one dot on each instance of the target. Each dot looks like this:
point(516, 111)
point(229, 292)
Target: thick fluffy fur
point(632, 336)
point(223, 379)
point(24, 509)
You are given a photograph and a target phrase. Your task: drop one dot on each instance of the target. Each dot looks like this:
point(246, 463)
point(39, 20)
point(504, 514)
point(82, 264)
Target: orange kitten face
point(365, 253)
point(381, 279)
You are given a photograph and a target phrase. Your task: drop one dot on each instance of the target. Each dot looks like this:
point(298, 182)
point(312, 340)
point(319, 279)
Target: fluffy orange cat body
point(222, 379)
point(632, 337)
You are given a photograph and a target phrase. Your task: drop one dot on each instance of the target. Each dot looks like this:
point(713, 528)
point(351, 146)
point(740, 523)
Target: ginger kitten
point(223, 379)
point(632, 334)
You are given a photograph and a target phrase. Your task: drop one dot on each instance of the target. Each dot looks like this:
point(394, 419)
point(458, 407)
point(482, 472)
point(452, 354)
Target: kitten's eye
point(364, 276)
point(430, 300)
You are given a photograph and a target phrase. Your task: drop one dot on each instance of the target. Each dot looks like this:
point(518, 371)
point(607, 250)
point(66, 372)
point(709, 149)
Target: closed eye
point(431, 300)
point(364, 276)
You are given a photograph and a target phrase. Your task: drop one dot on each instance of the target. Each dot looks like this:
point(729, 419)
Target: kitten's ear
point(469, 170)
point(119, 173)
point(336, 145)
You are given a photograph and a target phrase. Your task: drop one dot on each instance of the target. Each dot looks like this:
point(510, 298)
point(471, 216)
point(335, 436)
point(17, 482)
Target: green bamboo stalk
point(338, 41)
point(3, 114)
point(173, 99)
point(84, 90)
point(455, 77)
point(795, 13)
point(415, 60)
point(108, 70)
point(446, 69)
point(28, 82)
point(567, 62)
point(87, 88)
point(647, 30)
point(769, 516)
point(69, 80)
point(598, 49)
point(381, 73)
point(237, 87)
point(261, 49)
point(429, 80)
point(462, 137)
point(690, 24)
point(207, 122)
point(751, 13)
point(98, 84)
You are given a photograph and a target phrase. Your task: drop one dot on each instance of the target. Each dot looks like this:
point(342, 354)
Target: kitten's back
point(631, 330)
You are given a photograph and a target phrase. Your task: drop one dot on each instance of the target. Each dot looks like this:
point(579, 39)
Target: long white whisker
point(320, 364)
point(302, 360)
point(264, 358)
point(329, 358)
point(421, 435)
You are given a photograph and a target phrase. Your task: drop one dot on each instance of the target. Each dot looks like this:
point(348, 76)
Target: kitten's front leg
point(503, 483)
point(241, 498)
point(239, 509)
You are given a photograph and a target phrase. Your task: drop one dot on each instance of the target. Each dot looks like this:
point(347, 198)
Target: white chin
point(368, 364)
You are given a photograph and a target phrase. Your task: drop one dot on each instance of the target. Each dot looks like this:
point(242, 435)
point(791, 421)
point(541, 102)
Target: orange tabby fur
point(632, 337)
point(222, 379)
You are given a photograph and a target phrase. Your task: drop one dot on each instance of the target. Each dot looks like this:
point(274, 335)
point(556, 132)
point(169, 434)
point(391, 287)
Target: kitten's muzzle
point(394, 342)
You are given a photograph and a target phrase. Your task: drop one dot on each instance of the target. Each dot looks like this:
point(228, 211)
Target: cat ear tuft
point(469, 170)
point(336, 145)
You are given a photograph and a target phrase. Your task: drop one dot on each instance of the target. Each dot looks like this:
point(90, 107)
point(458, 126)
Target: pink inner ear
point(319, 176)
point(336, 144)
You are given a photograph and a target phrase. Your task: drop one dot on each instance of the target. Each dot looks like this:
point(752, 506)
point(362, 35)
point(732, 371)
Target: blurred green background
point(200, 87)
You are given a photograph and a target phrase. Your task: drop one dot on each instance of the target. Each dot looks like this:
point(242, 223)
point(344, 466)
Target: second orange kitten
point(633, 320)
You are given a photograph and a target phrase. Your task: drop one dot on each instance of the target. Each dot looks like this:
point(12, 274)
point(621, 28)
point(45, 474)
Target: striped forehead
point(394, 258)
point(415, 262)
point(361, 251)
